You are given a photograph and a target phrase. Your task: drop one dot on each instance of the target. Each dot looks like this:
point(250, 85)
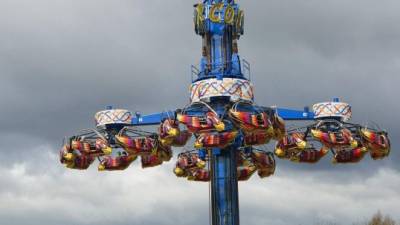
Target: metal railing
point(227, 69)
point(246, 69)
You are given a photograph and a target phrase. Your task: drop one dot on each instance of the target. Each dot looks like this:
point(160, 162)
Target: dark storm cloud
point(318, 50)
point(155, 196)
point(63, 60)
point(57, 68)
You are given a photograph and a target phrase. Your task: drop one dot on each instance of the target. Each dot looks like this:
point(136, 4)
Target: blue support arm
point(292, 114)
point(151, 119)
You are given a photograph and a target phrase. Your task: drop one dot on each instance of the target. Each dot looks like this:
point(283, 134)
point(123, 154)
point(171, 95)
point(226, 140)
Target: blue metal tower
point(220, 24)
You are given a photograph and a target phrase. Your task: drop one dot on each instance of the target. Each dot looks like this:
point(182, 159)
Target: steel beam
point(224, 187)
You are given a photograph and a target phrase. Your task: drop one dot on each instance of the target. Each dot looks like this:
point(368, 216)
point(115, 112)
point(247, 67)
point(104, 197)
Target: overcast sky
point(63, 60)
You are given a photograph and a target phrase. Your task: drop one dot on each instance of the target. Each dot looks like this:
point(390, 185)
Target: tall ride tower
point(226, 124)
point(219, 82)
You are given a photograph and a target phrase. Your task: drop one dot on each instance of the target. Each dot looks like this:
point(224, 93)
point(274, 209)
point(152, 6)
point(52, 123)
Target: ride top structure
point(226, 124)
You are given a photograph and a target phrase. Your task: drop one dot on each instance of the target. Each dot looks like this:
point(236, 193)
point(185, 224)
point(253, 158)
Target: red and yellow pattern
point(335, 139)
point(245, 172)
point(200, 175)
point(290, 144)
point(73, 160)
point(168, 130)
point(151, 160)
point(99, 148)
point(160, 155)
point(66, 154)
point(215, 140)
point(377, 143)
point(110, 163)
point(197, 124)
point(187, 163)
point(181, 139)
point(279, 127)
point(250, 122)
point(311, 155)
point(349, 156)
point(257, 138)
point(80, 162)
point(265, 163)
point(135, 146)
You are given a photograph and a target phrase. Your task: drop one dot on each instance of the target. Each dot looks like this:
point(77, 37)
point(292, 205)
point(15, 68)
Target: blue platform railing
point(226, 69)
point(246, 71)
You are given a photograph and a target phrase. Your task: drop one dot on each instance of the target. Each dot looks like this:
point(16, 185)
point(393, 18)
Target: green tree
point(379, 219)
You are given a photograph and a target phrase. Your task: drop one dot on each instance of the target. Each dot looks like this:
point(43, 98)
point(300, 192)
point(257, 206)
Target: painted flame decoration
point(310, 155)
point(377, 142)
point(197, 124)
point(169, 129)
point(278, 126)
point(215, 140)
point(290, 144)
point(192, 167)
point(140, 145)
point(251, 121)
point(116, 163)
point(335, 139)
point(187, 162)
point(351, 156)
point(171, 135)
point(265, 163)
point(73, 160)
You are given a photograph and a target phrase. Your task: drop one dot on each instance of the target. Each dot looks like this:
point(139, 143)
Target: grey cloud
point(154, 196)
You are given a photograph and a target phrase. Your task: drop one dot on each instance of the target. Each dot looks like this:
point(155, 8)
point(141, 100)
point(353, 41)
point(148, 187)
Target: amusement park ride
point(225, 123)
